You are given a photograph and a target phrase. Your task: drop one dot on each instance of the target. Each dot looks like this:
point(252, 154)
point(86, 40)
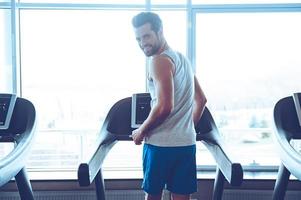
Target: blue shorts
point(173, 168)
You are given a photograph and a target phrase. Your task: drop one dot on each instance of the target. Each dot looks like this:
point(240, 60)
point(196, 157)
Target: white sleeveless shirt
point(178, 128)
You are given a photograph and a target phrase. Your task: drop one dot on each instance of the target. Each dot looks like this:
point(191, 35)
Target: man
point(177, 104)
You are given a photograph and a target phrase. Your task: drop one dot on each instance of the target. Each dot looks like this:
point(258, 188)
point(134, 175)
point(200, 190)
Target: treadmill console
point(7, 103)
point(297, 100)
point(140, 108)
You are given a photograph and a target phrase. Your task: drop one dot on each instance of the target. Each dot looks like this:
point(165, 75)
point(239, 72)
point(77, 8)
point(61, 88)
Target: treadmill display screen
point(297, 100)
point(7, 102)
point(140, 108)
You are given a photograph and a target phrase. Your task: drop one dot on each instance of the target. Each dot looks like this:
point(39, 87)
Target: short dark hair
point(147, 17)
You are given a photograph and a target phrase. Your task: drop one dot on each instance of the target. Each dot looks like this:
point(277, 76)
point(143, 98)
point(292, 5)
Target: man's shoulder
point(161, 59)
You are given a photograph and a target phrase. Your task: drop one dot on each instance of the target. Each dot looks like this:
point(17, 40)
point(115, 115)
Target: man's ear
point(160, 32)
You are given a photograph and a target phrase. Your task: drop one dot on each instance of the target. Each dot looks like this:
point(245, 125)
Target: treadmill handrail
point(232, 171)
point(11, 164)
point(89, 168)
point(213, 141)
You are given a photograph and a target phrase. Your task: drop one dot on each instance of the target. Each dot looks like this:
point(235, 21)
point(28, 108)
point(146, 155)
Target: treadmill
point(17, 126)
point(130, 112)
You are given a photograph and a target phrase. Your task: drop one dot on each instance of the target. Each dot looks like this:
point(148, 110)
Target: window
point(246, 62)
point(76, 61)
point(75, 65)
point(5, 52)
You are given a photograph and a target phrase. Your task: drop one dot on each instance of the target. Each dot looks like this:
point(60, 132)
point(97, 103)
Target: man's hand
point(138, 136)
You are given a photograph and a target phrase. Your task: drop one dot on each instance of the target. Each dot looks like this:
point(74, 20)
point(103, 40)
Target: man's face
point(148, 40)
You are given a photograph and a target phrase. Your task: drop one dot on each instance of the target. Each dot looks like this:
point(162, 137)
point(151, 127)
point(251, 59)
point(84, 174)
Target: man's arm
point(199, 101)
point(161, 72)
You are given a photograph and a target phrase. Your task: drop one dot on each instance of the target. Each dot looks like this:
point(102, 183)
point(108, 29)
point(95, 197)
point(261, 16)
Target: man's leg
point(179, 197)
point(183, 181)
point(153, 197)
point(154, 171)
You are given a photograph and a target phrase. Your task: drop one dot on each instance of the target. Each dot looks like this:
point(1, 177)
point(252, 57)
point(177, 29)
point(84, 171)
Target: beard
point(150, 50)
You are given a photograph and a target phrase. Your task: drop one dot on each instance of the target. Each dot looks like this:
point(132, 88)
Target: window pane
point(242, 1)
point(5, 52)
point(246, 62)
point(75, 65)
